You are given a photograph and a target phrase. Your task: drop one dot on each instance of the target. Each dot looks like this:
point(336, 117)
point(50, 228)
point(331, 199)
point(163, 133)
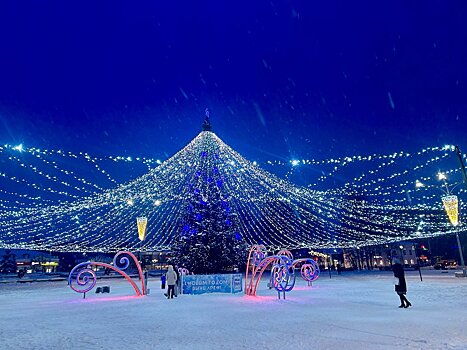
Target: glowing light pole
point(451, 205)
point(464, 176)
point(141, 223)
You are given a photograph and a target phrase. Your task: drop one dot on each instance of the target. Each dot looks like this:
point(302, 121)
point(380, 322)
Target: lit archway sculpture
point(282, 271)
point(86, 278)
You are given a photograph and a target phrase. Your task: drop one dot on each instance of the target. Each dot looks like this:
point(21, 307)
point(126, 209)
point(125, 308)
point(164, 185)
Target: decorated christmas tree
point(208, 240)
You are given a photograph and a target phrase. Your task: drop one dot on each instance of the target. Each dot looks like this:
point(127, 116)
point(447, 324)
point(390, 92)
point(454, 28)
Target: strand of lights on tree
point(47, 204)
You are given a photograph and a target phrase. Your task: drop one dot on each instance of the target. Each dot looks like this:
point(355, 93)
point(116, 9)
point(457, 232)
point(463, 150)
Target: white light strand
point(271, 210)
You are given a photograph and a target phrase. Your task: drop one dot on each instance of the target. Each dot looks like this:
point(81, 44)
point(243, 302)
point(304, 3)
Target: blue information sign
point(200, 284)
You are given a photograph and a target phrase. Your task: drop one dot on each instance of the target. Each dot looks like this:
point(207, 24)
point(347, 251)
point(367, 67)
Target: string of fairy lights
point(64, 201)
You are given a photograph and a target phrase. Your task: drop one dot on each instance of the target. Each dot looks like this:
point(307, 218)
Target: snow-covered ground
point(354, 310)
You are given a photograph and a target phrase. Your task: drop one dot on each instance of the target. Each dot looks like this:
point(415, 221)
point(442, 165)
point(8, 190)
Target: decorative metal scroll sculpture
point(309, 269)
point(257, 253)
point(86, 278)
point(283, 274)
point(282, 271)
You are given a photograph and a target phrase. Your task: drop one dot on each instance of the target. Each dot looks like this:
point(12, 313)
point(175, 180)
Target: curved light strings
point(51, 200)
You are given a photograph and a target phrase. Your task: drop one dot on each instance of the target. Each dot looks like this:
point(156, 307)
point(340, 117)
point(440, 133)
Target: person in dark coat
point(177, 283)
point(400, 284)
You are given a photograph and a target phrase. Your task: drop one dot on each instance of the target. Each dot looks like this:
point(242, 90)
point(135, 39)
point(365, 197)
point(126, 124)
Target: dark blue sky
point(310, 79)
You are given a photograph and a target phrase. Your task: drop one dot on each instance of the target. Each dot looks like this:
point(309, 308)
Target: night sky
point(282, 79)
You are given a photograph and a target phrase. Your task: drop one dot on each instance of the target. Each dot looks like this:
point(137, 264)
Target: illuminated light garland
point(345, 160)
point(43, 155)
point(374, 187)
point(85, 216)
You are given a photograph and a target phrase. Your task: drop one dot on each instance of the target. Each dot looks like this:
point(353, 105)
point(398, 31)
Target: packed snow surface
point(358, 310)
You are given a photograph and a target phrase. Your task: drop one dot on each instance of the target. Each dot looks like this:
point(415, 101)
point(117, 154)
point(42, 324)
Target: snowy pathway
point(355, 310)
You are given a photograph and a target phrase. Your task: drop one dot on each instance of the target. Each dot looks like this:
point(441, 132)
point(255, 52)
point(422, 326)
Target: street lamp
point(451, 205)
point(141, 223)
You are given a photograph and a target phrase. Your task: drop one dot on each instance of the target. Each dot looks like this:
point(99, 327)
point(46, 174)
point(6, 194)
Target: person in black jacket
point(400, 284)
point(177, 284)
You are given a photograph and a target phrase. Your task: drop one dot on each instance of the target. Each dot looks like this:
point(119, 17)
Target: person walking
point(400, 284)
point(171, 277)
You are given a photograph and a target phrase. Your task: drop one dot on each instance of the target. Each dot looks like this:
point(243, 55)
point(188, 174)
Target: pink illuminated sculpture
point(86, 277)
point(282, 270)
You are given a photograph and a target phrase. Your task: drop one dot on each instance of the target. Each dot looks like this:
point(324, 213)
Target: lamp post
point(141, 223)
point(419, 264)
point(451, 205)
point(464, 177)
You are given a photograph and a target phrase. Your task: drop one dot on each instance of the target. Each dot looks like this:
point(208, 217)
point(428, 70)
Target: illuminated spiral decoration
point(286, 253)
point(282, 271)
point(309, 273)
point(85, 279)
point(259, 256)
point(283, 274)
point(121, 263)
point(309, 270)
point(183, 271)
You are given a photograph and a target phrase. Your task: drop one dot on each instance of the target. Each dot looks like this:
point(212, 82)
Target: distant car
point(445, 265)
